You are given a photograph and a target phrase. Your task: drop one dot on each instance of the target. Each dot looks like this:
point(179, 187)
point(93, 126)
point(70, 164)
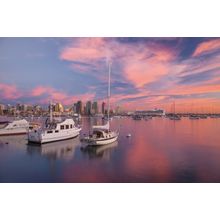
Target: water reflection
point(159, 150)
point(55, 150)
point(103, 152)
point(16, 141)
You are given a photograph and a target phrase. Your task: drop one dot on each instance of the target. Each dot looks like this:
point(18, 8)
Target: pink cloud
point(59, 96)
point(140, 73)
point(9, 92)
point(40, 90)
point(141, 63)
point(206, 47)
point(84, 49)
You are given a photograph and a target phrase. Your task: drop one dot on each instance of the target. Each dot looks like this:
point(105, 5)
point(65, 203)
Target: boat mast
point(109, 77)
point(51, 112)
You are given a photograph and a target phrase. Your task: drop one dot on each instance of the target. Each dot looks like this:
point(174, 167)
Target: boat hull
point(43, 139)
point(51, 141)
point(4, 132)
point(102, 142)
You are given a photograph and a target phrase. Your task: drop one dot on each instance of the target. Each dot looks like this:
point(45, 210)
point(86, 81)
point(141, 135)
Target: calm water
point(159, 150)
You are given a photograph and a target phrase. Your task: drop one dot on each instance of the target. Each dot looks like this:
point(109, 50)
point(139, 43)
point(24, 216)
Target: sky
point(146, 72)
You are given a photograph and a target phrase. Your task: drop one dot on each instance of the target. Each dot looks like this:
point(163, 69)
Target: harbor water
point(158, 150)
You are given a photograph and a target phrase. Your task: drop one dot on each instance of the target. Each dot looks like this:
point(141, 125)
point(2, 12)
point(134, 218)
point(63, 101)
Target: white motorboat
point(15, 127)
point(54, 131)
point(101, 134)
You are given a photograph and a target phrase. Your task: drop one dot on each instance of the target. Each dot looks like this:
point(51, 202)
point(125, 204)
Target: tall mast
point(51, 113)
point(109, 78)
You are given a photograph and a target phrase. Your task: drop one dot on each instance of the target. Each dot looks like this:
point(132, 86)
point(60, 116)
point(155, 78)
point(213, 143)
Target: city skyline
point(146, 72)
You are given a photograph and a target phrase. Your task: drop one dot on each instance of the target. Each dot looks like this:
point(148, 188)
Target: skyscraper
point(75, 107)
point(88, 108)
point(59, 107)
point(103, 108)
point(95, 109)
point(79, 107)
point(118, 110)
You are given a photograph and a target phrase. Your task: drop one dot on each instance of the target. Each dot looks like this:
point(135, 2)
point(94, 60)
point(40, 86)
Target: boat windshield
point(97, 134)
point(51, 125)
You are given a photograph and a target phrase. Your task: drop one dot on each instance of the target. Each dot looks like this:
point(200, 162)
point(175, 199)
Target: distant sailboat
point(174, 116)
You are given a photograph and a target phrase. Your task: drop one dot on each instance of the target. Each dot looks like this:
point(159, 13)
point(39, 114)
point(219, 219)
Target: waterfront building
point(2, 108)
point(118, 110)
point(24, 107)
point(29, 108)
point(37, 108)
point(154, 112)
point(103, 108)
point(88, 108)
point(59, 107)
point(74, 107)
point(79, 107)
point(95, 109)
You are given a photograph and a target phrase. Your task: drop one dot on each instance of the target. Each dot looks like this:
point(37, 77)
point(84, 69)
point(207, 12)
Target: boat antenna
point(109, 78)
point(51, 112)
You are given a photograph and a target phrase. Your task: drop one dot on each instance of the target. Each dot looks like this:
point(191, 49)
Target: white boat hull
point(15, 127)
point(4, 132)
point(102, 141)
point(42, 138)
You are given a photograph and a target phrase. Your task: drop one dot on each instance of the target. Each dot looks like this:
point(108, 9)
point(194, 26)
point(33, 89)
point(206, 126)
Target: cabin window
point(67, 126)
point(14, 125)
point(56, 131)
point(61, 127)
point(71, 126)
point(49, 132)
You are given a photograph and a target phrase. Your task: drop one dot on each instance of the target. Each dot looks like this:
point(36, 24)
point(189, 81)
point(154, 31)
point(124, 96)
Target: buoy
point(128, 135)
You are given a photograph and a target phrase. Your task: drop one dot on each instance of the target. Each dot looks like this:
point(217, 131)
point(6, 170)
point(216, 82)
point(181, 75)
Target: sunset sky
point(146, 72)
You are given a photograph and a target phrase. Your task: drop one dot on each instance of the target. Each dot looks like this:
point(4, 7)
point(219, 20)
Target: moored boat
point(101, 134)
point(54, 130)
point(15, 127)
point(193, 117)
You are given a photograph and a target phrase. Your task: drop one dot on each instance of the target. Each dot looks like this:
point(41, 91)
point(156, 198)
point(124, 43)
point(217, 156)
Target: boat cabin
point(55, 127)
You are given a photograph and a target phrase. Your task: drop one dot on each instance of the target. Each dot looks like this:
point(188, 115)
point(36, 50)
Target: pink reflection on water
point(159, 150)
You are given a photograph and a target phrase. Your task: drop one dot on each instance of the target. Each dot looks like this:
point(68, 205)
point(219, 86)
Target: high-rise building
point(2, 108)
point(59, 107)
point(88, 108)
point(24, 107)
point(95, 109)
point(118, 110)
point(103, 108)
point(18, 106)
point(79, 107)
point(37, 108)
point(74, 107)
point(29, 108)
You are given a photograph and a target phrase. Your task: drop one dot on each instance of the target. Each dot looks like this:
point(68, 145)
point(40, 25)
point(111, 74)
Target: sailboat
point(54, 130)
point(174, 116)
point(101, 134)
